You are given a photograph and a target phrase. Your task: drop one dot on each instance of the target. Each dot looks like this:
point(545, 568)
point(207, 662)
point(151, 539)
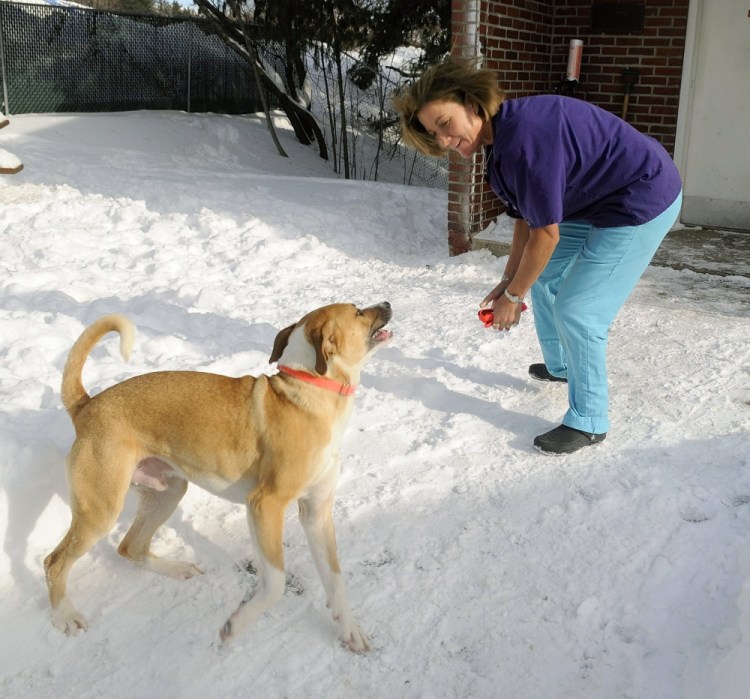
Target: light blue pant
point(576, 298)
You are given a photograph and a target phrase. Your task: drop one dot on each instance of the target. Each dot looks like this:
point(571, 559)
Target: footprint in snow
point(694, 515)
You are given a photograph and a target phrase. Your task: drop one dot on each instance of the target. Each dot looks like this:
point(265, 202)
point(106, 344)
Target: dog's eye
point(360, 313)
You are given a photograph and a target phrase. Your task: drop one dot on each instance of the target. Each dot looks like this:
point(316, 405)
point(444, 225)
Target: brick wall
point(514, 38)
point(656, 53)
point(527, 42)
point(516, 41)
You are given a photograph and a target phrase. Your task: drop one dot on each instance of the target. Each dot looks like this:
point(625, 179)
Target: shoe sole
point(549, 378)
point(554, 379)
point(566, 453)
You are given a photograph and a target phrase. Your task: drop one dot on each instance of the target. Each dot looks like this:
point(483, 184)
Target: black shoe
point(566, 440)
point(540, 373)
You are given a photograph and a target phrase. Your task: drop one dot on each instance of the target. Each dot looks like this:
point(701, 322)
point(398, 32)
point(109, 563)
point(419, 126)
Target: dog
point(261, 441)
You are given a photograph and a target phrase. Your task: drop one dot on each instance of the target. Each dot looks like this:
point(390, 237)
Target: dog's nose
point(385, 311)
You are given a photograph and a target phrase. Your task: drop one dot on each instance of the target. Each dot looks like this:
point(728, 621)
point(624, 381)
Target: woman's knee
point(573, 317)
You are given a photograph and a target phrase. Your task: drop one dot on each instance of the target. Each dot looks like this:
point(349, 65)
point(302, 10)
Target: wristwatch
point(512, 298)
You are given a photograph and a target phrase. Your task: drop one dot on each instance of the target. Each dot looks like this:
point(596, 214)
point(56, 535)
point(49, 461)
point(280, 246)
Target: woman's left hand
point(496, 293)
point(506, 314)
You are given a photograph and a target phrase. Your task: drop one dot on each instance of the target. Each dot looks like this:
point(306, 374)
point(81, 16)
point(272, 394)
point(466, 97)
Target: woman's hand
point(530, 252)
point(505, 313)
point(496, 293)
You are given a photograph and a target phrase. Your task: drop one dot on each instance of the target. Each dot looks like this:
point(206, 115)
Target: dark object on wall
point(629, 78)
point(617, 17)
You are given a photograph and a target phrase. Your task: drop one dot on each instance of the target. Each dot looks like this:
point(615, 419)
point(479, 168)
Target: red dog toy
point(486, 315)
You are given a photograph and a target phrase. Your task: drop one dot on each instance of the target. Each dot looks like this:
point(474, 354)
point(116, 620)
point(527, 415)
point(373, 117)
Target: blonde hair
point(455, 80)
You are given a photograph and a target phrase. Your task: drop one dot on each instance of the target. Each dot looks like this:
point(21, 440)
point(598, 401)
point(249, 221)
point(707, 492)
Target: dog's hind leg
point(317, 519)
point(94, 512)
point(155, 507)
point(265, 515)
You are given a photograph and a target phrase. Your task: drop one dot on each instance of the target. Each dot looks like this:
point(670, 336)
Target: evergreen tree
point(395, 23)
point(299, 24)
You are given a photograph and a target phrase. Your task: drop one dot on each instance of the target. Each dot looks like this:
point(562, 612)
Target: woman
point(592, 197)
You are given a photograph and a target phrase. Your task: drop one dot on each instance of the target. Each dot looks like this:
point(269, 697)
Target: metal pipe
point(6, 108)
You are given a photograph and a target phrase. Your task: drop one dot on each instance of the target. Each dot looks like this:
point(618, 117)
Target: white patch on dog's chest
point(330, 462)
point(298, 351)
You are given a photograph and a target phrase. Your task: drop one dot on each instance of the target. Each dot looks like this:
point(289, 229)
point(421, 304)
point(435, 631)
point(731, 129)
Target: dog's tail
point(74, 395)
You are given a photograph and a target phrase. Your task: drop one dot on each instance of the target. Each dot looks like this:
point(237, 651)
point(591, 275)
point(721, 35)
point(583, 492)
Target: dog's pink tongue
point(382, 335)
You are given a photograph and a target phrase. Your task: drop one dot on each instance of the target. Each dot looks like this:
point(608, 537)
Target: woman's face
point(455, 126)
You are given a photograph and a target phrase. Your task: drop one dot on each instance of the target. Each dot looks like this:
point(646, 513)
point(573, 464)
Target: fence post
point(6, 108)
point(191, 27)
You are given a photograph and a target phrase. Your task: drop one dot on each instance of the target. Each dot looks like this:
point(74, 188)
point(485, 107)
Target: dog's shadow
point(36, 442)
point(34, 475)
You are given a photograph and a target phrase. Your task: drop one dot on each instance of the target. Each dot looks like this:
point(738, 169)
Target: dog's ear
point(279, 344)
point(323, 339)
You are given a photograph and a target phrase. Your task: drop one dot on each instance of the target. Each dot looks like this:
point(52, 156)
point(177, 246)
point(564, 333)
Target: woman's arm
point(520, 238)
point(536, 253)
point(529, 254)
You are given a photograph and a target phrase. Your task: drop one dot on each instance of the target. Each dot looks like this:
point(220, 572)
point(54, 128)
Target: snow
point(478, 567)
point(55, 3)
point(8, 161)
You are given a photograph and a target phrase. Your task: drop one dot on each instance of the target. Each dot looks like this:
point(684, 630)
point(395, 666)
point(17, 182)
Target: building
point(675, 69)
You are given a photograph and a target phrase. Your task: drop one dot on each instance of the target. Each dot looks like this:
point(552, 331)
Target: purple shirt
point(557, 159)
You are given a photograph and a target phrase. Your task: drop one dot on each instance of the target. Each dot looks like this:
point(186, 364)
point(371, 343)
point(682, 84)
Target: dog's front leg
point(265, 516)
point(317, 519)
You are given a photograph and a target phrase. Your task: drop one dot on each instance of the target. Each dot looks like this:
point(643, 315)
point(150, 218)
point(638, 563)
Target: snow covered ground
point(479, 567)
point(56, 3)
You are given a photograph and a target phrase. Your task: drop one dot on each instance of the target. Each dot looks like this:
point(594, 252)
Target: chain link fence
point(67, 59)
point(64, 59)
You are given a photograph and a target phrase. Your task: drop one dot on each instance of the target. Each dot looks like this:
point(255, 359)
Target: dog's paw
point(356, 640)
point(350, 634)
point(69, 621)
point(180, 570)
point(185, 570)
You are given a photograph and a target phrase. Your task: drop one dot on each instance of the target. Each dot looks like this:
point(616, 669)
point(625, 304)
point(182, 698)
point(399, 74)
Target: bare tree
point(254, 62)
point(306, 28)
point(238, 35)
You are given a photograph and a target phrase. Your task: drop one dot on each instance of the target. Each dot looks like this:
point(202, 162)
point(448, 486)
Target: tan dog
point(263, 442)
